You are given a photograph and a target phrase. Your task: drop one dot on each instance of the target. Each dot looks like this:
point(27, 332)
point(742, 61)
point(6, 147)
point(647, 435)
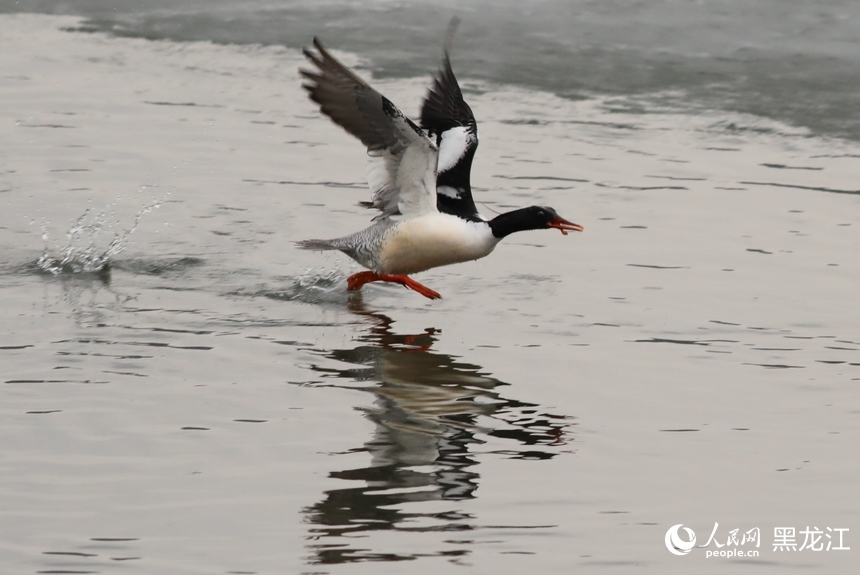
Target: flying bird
point(419, 177)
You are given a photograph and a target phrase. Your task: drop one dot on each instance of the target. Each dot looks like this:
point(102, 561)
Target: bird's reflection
point(432, 412)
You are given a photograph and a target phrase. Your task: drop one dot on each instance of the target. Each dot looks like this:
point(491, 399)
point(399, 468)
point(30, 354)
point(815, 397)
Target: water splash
point(313, 286)
point(83, 251)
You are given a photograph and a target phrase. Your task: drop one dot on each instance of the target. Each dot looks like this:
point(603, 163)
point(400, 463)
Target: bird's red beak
point(562, 224)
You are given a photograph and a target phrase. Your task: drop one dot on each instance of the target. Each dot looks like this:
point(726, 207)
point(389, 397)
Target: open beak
point(562, 224)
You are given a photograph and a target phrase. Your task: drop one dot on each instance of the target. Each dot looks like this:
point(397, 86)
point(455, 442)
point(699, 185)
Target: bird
point(418, 175)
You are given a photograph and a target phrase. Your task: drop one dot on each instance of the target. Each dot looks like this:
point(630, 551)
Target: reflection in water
point(85, 297)
point(431, 412)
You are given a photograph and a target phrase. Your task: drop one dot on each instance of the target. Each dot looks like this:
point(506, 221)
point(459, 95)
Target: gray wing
point(402, 170)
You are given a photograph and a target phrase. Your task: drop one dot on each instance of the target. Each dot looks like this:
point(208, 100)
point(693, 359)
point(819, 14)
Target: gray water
point(792, 60)
point(184, 392)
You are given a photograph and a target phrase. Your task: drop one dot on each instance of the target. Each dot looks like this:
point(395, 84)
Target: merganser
point(427, 220)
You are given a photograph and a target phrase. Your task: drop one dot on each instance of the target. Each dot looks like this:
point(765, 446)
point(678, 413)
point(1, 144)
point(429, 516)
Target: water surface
point(213, 401)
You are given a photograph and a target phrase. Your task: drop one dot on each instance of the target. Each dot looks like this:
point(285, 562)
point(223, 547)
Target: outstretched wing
point(448, 119)
point(402, 171)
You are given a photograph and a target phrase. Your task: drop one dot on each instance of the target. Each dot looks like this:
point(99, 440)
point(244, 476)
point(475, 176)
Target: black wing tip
point(448, 46)
point(312, 75)
point(316, 57)
point(320, 56)
point(450, 33)
point(317, 76)
point(312, 84)
point(318, 44)
point(444, 106)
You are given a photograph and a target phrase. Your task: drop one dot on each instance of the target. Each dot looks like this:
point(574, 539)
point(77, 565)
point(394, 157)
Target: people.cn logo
point(675, 544)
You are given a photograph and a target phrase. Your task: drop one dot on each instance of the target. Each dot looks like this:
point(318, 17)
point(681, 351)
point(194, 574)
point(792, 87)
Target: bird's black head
point(531, 218)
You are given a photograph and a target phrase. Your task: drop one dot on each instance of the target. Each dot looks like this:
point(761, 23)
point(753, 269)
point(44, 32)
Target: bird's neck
point(505, 224)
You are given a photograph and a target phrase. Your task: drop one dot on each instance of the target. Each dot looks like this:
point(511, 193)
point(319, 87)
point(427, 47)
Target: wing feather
point(444, 106)
point(449, 120)
point(402, 166)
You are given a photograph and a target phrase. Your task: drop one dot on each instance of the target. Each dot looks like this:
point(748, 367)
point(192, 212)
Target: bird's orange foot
point(356, 281)
point(413, 285)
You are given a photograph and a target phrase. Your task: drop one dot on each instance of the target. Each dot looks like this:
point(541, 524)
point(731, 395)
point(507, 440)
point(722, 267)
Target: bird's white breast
point(433, 240)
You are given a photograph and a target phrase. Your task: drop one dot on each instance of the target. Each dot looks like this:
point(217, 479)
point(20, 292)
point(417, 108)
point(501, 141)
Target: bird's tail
point(316, 245)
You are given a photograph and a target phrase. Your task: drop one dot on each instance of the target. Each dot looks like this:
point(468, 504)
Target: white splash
point(84, 251)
